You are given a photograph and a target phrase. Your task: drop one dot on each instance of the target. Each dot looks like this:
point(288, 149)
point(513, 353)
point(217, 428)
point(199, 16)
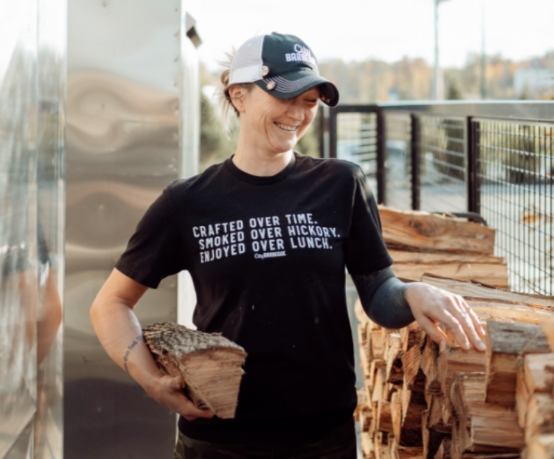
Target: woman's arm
point(120, 334)
point(392, 303)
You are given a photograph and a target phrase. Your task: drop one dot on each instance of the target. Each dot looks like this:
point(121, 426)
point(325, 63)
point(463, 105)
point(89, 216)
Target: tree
point(454, 92)
point(215, 144)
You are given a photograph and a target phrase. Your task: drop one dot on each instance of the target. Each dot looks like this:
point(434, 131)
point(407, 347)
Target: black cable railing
point(492, 159)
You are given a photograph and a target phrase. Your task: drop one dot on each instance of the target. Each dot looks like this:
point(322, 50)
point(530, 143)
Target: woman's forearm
point(119, 330)
point(120, 334)
point(382, 296)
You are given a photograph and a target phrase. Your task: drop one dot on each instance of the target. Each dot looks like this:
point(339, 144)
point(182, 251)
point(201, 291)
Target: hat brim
point(293, 84)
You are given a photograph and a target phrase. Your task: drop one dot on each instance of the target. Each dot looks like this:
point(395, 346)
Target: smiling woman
point(269, 124)
point(273, 85)
point(266, 236)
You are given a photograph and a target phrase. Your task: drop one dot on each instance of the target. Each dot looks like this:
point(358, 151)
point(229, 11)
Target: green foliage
point(453, 91)
point(524, 94)
point(215, 144)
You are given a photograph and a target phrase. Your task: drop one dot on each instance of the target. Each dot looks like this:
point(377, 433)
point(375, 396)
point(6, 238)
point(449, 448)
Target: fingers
point(452, 324)
point(170, 393)
point(469, 322)
point(431, 305)
point(456, 315)
point(193, 412)
point(178, 383)
point(187, 408)
point(477, 322)
point(429, 327)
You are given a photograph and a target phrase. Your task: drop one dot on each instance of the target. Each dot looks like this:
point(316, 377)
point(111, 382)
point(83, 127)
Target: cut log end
point(210, 364)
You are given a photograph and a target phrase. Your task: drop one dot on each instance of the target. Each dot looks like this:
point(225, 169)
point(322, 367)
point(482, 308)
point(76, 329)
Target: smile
point(285, 127)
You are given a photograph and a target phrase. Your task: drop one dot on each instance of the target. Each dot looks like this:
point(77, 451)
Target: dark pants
point(340, 443)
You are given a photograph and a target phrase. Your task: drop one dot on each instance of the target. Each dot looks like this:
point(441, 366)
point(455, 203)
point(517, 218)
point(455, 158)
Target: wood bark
point(210, 364)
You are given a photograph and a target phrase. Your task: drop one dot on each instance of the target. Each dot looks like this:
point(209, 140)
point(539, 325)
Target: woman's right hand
point(120, 334)
point(168, 391)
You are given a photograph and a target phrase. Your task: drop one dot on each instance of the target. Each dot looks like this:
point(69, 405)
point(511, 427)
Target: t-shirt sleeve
point(156, 249)
point(365, 248)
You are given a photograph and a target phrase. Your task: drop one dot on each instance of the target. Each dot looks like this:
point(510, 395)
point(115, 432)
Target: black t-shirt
point(267, 256)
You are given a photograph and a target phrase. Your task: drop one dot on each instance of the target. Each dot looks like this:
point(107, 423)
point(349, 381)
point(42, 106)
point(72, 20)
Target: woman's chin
point(285, 145)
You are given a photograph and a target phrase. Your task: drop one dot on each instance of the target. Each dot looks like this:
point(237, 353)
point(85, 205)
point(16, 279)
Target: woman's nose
point(295, 110)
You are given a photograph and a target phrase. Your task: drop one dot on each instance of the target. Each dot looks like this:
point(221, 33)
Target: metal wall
point(126, 68)
point(32, 86)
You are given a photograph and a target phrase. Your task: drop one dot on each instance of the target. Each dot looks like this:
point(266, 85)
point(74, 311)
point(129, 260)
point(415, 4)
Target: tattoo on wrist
point(129, 349)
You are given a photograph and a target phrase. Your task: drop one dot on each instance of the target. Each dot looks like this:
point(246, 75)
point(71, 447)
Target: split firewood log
point(366, 444)
point(540, 416)
point(211, 365)
point(476, 291)
point(505, 344)
point(482, 427)
point(494, 274)
point(423, 231)
point(540, 447)
point(453, 360)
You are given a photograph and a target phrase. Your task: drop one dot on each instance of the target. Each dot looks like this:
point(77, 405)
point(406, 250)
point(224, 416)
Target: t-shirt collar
point(257, 180)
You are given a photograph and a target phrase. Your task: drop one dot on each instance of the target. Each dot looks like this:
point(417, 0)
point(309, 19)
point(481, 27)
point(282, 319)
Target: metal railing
point(495, 159)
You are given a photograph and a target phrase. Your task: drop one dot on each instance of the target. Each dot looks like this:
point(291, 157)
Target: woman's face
point(274, 125)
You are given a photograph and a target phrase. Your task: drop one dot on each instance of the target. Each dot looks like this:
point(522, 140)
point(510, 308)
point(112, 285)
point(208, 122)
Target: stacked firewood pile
point(421, 400)
point(420, 242)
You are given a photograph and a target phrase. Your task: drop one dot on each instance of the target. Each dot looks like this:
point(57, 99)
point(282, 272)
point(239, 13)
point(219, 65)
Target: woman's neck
point(257, 162)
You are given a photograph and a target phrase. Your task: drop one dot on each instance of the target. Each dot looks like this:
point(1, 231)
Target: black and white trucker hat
point(281, 65)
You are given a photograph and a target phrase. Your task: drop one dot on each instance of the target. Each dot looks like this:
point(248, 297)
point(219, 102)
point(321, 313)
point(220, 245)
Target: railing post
point(473, 182)
point(332, 133)
point(414, 158)
point(381, 152)
point(324, 132)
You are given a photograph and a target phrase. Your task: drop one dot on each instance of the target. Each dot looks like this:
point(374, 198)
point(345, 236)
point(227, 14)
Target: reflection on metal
point(129, 72)
point(32, 86)
point(132, 68)
point(189, 108)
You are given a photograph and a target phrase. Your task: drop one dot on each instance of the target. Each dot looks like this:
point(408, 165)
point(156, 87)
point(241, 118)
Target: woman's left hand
point(431, 305)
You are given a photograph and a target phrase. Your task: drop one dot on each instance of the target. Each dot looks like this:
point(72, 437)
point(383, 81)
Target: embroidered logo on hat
point(301, 53)
point(282, 65)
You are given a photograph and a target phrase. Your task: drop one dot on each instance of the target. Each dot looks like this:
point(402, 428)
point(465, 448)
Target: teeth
point(285, 127)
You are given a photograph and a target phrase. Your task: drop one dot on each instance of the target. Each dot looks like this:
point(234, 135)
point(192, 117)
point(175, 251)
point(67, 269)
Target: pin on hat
point(283, 66)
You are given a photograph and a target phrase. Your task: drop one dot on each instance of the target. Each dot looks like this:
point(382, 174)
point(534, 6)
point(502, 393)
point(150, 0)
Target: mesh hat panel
point(247, 63)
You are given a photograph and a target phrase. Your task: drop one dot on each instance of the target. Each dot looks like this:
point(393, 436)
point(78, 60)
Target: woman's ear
point(237, 94)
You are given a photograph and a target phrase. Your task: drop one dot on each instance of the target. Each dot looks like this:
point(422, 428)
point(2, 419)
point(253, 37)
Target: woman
point(266, 236)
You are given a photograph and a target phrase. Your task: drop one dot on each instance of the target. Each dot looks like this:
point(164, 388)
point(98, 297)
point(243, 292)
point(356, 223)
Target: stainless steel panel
point(122, 149)
point(31, 192)
point(189, 108)
point(51, 77)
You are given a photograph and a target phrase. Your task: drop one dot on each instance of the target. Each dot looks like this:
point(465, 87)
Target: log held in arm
point(210, 364)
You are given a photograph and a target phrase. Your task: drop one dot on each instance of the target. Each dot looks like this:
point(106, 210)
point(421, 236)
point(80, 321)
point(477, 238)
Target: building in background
point(532, 80)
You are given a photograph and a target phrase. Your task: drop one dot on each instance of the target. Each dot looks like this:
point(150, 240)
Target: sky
point(382, 29)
